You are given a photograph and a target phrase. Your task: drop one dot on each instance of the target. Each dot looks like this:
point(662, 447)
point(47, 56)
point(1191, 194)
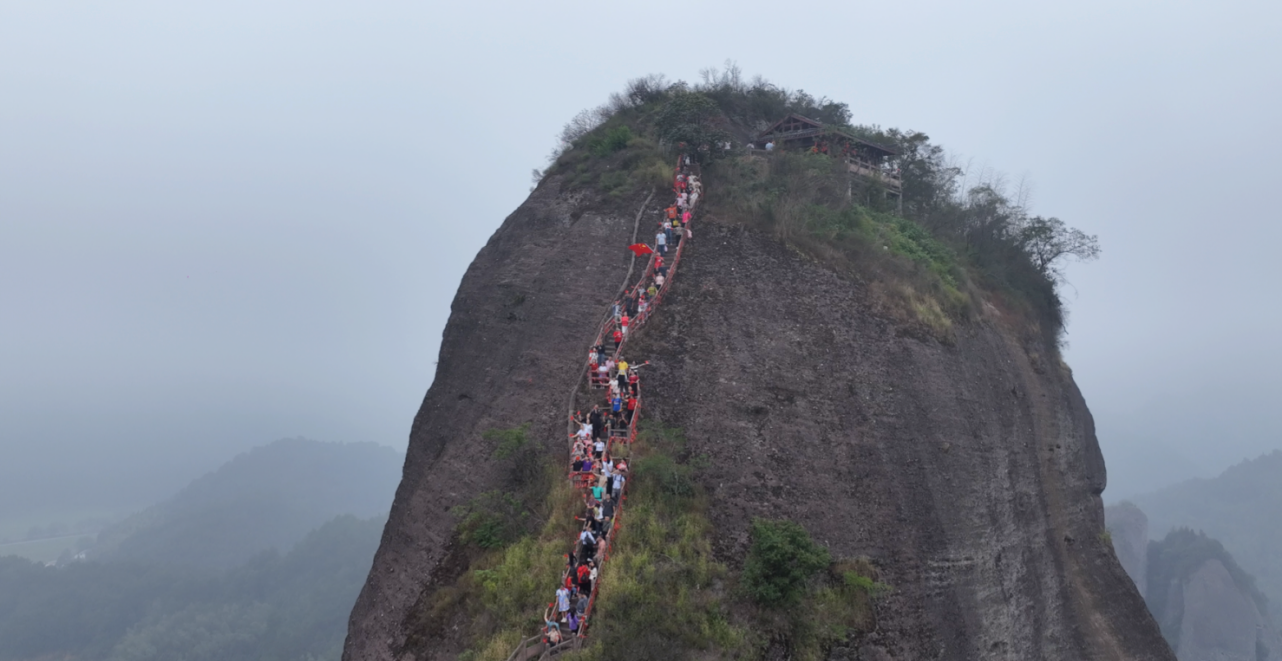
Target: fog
point(226, 223)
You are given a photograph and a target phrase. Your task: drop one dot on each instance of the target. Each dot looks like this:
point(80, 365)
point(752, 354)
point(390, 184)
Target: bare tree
point(1048, 241)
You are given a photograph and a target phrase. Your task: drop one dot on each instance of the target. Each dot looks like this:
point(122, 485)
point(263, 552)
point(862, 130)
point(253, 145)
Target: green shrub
point(511, 441)
point(491, 520)
point(523, 458)
point(837, 605)
point(857, 582)
point(613, 140)
point(613, 182)
point(669, 478)
point(690, 118)
point(780, 562)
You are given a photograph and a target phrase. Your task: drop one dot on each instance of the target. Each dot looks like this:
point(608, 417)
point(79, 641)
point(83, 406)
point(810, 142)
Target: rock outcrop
point(1128, 528)
point(1216, 619)
point(968, 472)
point(1237, 507)
point(1208, 607)
point(1219, 621)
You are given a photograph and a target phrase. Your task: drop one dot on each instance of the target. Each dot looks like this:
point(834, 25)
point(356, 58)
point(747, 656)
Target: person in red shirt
point(623, 324)
point(632, 407)
point(585, 579)
point(633, 379)
point(618, 338)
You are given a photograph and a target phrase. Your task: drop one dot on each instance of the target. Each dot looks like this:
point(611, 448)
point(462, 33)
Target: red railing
point(584, 480)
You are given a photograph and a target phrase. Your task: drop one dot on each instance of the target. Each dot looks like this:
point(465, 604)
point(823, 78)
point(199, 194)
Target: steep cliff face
point(520, 324)
point(968, 472)
point(1128, 527)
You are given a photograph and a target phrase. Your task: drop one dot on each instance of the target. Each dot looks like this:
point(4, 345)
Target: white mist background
point(225, 223)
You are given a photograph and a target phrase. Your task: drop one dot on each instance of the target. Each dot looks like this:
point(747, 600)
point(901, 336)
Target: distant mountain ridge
point(268, 497)
point(1239, 508)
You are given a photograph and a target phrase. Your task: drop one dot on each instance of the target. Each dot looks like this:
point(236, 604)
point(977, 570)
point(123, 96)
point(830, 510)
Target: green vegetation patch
point(618, 158)
point(512, 548)
point(813, 204)
point(806, 599)
point(663, 595)
point(780, 562)
point(951, 247)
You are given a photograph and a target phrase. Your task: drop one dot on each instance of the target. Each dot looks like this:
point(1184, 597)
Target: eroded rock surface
point(525, 313)
point(968, 472)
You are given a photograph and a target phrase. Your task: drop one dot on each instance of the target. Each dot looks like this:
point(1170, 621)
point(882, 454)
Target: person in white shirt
point(618, 486)
point(607, 475)
point(770, 146)
point(588, 540)
point(661, 242)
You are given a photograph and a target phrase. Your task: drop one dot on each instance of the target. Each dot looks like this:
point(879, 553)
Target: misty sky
point(226, 223)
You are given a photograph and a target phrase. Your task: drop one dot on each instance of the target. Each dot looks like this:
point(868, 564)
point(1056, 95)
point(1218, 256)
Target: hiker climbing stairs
point(601, 481)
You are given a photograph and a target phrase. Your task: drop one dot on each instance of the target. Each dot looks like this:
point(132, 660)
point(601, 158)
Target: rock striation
point(968, 472)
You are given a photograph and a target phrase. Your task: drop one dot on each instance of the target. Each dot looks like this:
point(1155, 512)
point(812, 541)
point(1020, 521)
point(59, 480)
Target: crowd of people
point(593, 469)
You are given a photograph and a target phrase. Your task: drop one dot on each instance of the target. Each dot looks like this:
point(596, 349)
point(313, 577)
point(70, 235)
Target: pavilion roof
point(816, 128)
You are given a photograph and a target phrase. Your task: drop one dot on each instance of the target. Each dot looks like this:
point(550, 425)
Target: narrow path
point(600, 480)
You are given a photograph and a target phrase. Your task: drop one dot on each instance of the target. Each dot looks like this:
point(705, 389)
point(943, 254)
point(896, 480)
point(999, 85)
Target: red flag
point(640, 249)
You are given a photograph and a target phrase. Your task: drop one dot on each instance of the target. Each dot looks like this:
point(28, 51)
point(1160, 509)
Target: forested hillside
point(291, 606)
point(260, 559)
point(269, 497)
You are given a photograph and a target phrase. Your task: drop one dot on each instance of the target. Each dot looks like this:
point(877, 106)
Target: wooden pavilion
point(865, 159)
